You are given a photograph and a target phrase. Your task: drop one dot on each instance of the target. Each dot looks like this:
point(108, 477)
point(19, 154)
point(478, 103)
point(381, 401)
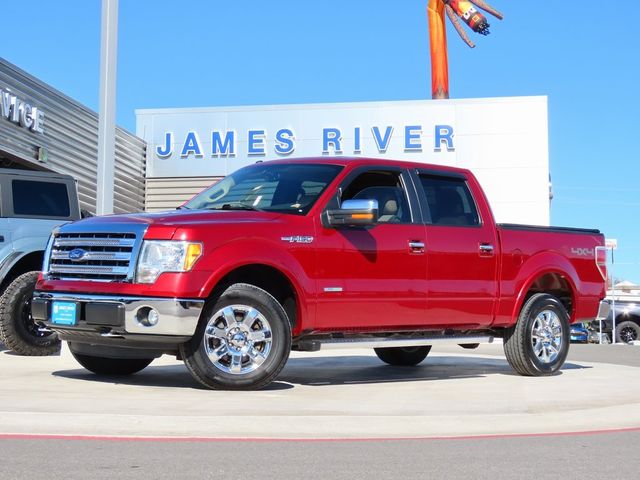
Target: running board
point(389, 342)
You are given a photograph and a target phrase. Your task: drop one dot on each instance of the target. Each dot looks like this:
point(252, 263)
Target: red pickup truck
point(313, 254)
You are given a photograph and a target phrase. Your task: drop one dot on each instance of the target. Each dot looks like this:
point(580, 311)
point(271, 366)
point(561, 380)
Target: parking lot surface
point(321, 395)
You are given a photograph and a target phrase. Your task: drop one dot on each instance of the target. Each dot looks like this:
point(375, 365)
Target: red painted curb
point(116, 438)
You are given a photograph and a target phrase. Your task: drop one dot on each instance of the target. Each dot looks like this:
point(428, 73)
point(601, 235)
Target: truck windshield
point(285, 188)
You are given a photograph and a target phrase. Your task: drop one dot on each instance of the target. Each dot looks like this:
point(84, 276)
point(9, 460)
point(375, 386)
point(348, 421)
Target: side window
point(449, 201)
point(42, 199)
point(387, 189)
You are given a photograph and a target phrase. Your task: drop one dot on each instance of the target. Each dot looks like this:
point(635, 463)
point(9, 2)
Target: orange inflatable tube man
point(455, 10)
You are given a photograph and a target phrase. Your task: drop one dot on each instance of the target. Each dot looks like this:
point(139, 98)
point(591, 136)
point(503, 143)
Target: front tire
point(18, 331)
point(242, 342)
point(627, 332)
point(538, 343)
point(403, 356)
point(111, 366)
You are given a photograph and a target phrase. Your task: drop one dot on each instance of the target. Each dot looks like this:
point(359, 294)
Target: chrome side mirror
point(354, 213)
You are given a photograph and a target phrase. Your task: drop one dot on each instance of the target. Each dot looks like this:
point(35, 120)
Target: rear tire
point(111, 366)
point(627, 332)
point(538, 343)
point(18, 331)
point(242, 342)
point(403, 356)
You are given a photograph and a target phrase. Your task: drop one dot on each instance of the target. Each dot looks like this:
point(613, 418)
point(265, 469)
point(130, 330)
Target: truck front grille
point(91, 256)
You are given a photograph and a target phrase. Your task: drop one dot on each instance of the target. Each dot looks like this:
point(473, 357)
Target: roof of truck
point(344, 161)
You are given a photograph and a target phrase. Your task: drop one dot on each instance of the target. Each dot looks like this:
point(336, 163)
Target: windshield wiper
point(237, 206)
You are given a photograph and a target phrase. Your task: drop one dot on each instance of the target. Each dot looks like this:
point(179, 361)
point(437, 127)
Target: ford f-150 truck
point(313, 254)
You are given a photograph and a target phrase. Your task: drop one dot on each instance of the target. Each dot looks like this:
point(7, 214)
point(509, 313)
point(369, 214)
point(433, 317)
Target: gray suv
point(31, 205)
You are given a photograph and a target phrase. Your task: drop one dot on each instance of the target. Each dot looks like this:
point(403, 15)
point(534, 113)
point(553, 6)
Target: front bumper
point(120, 316)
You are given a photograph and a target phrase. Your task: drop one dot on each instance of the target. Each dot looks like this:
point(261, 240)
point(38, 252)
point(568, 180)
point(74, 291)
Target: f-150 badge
point(297, 239)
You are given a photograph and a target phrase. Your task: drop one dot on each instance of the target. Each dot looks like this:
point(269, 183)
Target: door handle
point(416, 247)
point(486, 250)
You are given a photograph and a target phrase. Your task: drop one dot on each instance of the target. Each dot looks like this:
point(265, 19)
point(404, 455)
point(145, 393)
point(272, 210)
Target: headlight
point(159, 256)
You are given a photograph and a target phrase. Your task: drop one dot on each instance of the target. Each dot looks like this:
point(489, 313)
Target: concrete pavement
point(582, 457)
point(321, 395)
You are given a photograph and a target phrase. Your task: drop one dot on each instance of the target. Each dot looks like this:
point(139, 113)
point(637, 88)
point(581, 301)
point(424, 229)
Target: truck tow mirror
point(355, 213)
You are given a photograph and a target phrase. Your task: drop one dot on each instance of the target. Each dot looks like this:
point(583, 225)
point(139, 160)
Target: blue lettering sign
point(168, 146)
point(223, 148)
point(412, 141)
point(382, 142)
point(333, 137)
point(191, 145)
point(256, 142)
point(284, 142)
point(356, 140)
point(224, 143)
point(444, 133)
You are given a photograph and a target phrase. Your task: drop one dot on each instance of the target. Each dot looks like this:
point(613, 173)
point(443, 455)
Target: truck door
point(373, 277)
point(461, 250)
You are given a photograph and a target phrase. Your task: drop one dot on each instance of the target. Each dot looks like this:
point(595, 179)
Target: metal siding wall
point(169, 193)
point(71, 140)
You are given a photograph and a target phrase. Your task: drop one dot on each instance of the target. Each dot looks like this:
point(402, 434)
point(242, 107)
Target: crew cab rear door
point(461, 251)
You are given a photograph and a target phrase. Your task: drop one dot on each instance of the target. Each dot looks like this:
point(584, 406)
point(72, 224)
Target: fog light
point(147, 317)
point(153, 317)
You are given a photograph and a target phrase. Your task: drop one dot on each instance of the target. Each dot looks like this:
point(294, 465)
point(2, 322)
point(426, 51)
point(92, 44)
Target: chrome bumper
point(120, 315)
point(604, 310)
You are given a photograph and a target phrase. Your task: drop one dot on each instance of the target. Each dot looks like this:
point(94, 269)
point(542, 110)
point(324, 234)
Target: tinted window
point(42, 199)
point(387, 189)
point(450, 201)
point(286, 188)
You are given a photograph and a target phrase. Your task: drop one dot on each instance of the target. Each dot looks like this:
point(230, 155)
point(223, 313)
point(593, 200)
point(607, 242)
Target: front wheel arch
point(270, 279)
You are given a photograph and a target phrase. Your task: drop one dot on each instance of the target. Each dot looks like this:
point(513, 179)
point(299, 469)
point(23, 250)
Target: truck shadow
point(366, 370)
point(325, 371)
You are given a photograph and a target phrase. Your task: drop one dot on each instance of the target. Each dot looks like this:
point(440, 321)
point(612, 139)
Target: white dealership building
point(504, 141)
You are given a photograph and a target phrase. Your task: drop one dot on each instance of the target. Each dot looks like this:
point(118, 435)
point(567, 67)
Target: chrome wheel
point(237, 339)
point(546, 336)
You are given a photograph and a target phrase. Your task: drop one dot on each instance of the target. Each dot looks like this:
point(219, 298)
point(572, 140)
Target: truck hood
point(179, 218)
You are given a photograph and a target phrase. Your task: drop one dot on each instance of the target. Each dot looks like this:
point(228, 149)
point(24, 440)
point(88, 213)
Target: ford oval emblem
point(77, 254)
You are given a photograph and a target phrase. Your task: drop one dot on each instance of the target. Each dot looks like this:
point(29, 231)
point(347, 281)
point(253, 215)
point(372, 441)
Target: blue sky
point(243, 52)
